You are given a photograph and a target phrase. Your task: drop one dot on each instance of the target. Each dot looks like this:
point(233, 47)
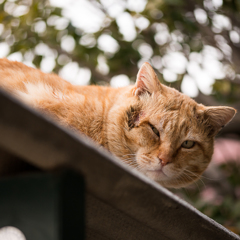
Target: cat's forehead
point(174, 103)
point(176, 115)
point(171, 109)
point(173, 121)
point(175, 128)
point(179, 111)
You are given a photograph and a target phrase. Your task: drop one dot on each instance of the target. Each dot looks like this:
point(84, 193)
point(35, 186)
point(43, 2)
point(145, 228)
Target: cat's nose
point(164, 160)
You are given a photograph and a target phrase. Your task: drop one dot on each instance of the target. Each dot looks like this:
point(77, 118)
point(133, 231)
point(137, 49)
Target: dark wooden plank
point(39, 205)
point(128, 193)
point(107, 222)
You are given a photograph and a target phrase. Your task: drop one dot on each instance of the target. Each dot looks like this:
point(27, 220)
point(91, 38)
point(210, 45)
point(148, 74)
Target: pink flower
point(210, 195)
point(226, 150)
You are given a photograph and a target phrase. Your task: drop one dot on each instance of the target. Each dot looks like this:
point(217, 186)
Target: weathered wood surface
point(121, 203)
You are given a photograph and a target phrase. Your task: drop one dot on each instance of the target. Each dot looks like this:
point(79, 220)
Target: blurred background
point(194, 46)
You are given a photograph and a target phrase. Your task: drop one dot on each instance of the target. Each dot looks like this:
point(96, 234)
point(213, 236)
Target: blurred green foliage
point(172, 26)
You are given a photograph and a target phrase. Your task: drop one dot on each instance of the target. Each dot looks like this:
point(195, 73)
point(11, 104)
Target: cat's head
point(164, 133)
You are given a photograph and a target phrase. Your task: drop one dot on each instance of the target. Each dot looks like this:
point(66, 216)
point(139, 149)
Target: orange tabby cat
point(152, 127)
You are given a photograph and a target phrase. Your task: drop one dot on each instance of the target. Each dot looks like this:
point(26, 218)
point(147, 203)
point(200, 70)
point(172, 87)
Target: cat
point(151, 127)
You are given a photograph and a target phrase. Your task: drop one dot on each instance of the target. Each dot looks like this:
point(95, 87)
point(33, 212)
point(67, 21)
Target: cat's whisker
point(212, 179)
point(126, 146)
point(128, 158)
point(184, 178)
point(181, 180)
point(192, 180)
point(187, 192)
point(192, 173)
point(139, 167)
point(131, 154)
point(196, 175)
point(129, 162)
point(148, 159)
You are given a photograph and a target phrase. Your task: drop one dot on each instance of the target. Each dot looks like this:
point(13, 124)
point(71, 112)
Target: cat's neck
point(94, 108)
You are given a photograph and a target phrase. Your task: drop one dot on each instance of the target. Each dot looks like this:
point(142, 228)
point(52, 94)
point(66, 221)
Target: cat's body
point(151, 127)
point(74, 106)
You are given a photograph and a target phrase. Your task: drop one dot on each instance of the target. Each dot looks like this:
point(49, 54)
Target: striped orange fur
point(149, 126)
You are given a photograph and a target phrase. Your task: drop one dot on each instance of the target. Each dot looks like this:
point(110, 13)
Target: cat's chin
point(157, 175)
point(163, 179)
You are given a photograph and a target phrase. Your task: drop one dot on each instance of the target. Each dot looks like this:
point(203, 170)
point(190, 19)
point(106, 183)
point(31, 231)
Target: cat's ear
point(147, 81)
point(218, 117)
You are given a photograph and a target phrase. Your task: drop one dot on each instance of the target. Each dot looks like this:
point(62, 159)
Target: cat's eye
point(188, 144)
point(154, 130)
